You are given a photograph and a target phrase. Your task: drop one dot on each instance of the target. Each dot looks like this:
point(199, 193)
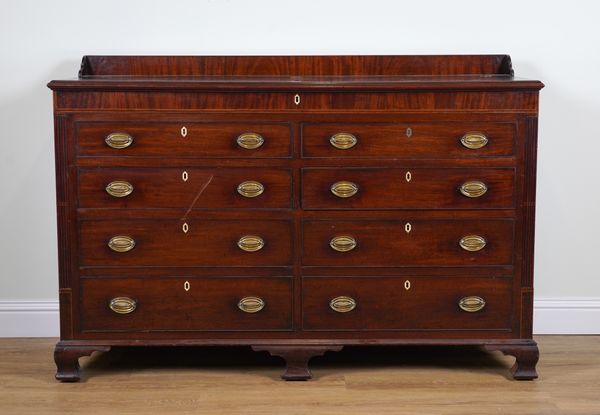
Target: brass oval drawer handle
point(343, 243)
point(343, 141)
point(473, 188)
point(121, 243)
point(119, 188)
point(342, 304)
point(250, 141)
point(119, 140)
point(251, 243)
point(123, 305)
point(474, 140)
point(251, 304)
point(250, 188)
point(344, 189)
point(471, 304)
point(472, 243)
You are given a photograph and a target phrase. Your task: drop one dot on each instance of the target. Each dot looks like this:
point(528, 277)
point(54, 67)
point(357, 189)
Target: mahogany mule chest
point(295, 204)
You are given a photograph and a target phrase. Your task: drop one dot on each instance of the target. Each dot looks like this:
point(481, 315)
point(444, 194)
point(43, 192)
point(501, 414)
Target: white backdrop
point(556, 42)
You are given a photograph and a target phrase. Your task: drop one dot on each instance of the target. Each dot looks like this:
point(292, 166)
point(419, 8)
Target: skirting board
point(551, 316)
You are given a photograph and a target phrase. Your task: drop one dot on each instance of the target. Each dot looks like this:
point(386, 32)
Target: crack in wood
point(202, 189)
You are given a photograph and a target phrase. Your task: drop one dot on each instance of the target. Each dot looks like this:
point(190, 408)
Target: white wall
point(556, 42)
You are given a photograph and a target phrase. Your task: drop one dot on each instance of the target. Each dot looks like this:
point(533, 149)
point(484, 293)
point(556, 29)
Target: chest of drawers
point(295, 204)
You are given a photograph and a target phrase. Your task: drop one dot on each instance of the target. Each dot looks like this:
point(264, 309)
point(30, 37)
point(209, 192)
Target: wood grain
point(252, 99)
point(148, 66)
point(406, 380)
point(407, 141)
point(385, 303)
point(165, 305)
point(207, 242)
point(407, 188)
point(204, 188)
point(203, 140)
point(386, 243)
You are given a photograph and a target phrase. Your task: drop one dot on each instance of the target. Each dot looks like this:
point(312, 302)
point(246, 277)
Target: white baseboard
point(29, 318)
point(566, 315)
point(551, 316)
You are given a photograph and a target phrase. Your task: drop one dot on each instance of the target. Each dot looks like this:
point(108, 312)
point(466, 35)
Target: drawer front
point(185, 188)
point(186, 303)
point(154, 139)
point(443, 140)
point(408, 188)
point(408, 243)
point(185, 242)
point(393, 303)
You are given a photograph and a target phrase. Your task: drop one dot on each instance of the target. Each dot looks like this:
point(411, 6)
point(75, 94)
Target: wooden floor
point(354, 381)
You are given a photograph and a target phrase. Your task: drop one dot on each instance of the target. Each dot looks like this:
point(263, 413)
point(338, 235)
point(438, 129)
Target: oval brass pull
point(251, 243)
point(343, 243)
point(342, 304)
point(250, 188)
point(119, 188)
point(471, 304)
point(118, 140)
point(121, 243)
point(473, 188)
point(251, 304)
point(343, 141)
point(250, 141)
point(344, 189)
point(474, 140)
point(472, 243)
point(123, 305)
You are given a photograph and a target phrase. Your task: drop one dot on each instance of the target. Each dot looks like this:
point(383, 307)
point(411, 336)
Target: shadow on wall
point(28, 201)
point(567, 170)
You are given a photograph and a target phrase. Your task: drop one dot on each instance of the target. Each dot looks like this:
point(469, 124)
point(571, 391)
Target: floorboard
point(442, 380)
